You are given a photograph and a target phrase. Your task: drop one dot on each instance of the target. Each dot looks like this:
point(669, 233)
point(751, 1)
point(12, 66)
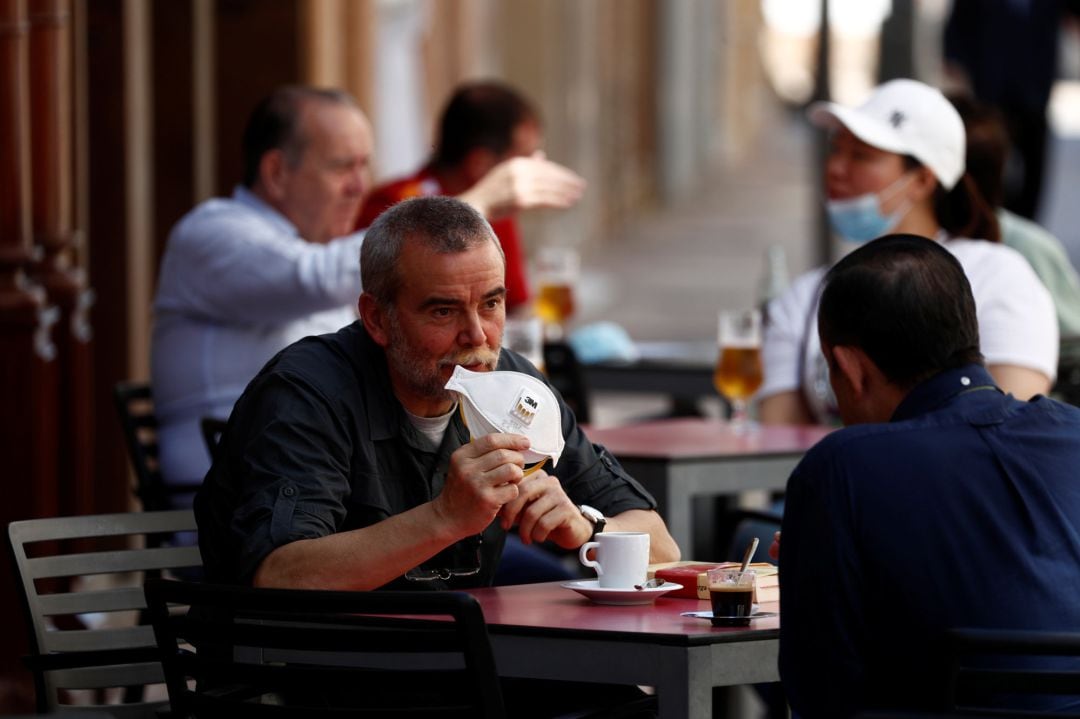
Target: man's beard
point(422, 377)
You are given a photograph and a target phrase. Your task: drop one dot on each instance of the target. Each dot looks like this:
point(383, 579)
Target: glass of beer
point(525, 335)
point(738, 372)
point(557, 271)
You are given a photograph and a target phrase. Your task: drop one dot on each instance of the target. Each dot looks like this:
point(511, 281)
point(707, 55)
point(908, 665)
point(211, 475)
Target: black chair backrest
point(135, 407)
point(212, 429)
point(564, 371)
point(992, 668)
point(274, 652)
point(82, 591)
point(1067, 386)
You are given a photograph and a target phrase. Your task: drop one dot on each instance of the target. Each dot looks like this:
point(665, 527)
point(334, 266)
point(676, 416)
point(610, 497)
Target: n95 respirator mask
point(513, 402)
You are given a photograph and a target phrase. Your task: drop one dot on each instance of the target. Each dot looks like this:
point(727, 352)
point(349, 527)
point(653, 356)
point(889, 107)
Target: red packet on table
point(693, 576)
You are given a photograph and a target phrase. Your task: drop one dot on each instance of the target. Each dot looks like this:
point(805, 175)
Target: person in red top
point(483, 125)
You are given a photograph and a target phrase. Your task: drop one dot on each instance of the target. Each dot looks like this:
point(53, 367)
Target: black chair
point(1067, 387)
point(282, 652)
point(87, 638)
point(734, 527)
point(989, 664)
point(564, 372)
point(135, 407)
point(212, 429)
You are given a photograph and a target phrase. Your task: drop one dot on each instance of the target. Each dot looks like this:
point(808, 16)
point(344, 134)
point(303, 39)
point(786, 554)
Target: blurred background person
point(244, 276)
point(896, 164)
point(483, 124)
point(1006, 53)
point(987, 151)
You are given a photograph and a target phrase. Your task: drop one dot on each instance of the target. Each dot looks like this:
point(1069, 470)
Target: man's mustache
point(485, 357)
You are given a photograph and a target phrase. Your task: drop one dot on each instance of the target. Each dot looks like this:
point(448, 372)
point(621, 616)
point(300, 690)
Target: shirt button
point(288, 491)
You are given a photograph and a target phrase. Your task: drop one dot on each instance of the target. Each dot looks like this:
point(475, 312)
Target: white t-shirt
point(237, 285)
point(1017, 324)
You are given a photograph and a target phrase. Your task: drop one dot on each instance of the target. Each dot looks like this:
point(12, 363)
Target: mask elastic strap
point(898, 184)
point(535, 467)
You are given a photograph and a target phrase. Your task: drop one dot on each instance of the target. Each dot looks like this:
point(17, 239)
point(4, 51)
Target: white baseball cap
point(906, 117)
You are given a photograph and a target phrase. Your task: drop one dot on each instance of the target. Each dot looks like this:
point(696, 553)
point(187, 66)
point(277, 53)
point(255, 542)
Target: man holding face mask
point(346, 465)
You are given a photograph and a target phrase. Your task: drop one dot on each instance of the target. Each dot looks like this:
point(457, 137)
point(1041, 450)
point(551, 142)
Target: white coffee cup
point(622, 558)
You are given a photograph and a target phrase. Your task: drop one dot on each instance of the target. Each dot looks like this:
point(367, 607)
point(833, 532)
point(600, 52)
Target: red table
point(546, 631)
point(680, 459)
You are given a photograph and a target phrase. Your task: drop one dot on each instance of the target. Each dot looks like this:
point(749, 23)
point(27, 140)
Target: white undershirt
point(433, 428)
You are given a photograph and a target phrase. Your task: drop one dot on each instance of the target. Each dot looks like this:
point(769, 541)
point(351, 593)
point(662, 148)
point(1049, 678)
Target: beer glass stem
point(739, 416)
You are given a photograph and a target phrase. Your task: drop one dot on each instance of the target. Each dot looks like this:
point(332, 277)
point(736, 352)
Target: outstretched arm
point(524, 183)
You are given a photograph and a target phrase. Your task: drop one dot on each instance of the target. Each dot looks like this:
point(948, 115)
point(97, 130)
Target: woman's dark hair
point(906, 302)
point(987, 145)
point(480, 114)
point(962, 211)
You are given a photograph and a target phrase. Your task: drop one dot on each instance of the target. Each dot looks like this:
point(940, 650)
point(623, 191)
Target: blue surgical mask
point(859, 219)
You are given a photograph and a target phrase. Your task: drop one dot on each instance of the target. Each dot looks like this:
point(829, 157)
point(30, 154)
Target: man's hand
point(774, 548)
point(523, 183)
point(542, 511)
point(482, 477)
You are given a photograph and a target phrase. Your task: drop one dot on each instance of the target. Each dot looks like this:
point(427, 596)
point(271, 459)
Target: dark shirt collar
point(942, 387)
point(384, 413)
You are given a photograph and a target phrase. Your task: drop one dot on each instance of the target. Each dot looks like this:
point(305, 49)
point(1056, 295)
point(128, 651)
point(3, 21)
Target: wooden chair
point(85, 638)
point(135, 407)
point(989, 664)
point(279, 652)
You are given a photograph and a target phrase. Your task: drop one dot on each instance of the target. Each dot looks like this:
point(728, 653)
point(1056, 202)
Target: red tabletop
point(693, 438)
point(551, 609)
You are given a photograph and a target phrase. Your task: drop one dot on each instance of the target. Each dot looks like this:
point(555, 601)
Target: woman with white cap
point(896, 165)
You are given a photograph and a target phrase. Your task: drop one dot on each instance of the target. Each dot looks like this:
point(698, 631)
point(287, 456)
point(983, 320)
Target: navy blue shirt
point(319, 444)
point(963, 511)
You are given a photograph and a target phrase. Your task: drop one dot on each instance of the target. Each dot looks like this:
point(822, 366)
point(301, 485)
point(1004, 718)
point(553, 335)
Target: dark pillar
point(898, 42)
point(27, 356)
point(54, 236)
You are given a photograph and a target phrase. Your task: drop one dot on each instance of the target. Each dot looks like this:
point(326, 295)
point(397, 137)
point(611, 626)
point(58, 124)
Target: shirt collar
point(384, 413)
point(386, 417)
point(248, 198)
point(939, 389)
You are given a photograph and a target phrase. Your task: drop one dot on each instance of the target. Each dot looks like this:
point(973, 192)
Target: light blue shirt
point(237, 285)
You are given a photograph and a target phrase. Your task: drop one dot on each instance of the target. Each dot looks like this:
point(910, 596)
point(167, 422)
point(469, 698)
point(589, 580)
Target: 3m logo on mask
point(897, 118)
point(512, 402)
point(526, 407)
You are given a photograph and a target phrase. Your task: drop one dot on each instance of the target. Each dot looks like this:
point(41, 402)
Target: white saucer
point(619, 596)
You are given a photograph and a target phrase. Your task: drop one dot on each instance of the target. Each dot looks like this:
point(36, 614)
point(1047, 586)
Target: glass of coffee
point(732, 593)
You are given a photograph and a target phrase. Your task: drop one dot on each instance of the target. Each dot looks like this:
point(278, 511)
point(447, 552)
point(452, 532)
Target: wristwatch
point(595, 517)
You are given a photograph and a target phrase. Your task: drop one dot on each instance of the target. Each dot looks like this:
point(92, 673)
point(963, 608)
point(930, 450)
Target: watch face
point(592, 514)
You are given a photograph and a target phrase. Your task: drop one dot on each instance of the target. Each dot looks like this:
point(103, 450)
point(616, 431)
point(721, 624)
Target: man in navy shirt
point(948, 504)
